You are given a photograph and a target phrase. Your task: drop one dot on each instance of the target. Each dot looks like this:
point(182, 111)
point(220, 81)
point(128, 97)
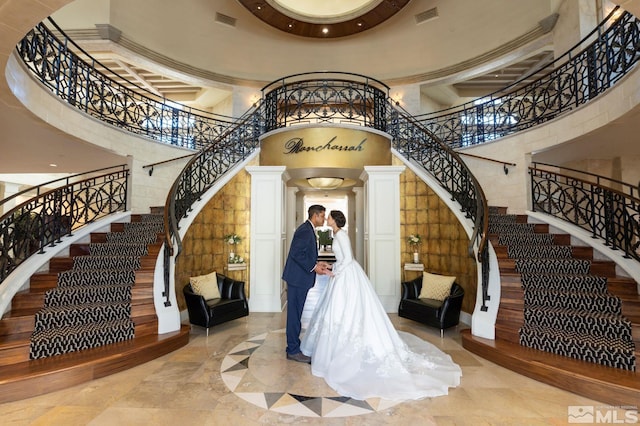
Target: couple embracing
point(350, 341)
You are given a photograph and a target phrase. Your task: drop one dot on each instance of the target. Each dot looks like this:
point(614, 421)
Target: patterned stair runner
point(567, 310)
point(91, 305)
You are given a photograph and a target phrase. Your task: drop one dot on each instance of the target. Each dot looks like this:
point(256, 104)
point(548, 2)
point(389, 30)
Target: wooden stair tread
point(606, 384)
point(32, 378)
point(74, 359)
point(631, 298)
point(15, 340)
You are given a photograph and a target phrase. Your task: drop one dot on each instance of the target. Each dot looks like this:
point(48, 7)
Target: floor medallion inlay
point(237, 373)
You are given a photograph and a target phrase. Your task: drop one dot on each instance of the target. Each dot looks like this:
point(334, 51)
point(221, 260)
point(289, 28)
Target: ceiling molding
point(292, 23)
point(488, 61)
point(512, 51)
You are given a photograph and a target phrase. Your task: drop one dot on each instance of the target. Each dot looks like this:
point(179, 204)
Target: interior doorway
point(338, 201)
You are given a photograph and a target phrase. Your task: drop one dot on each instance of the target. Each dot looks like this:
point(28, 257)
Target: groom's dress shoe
point(299, 357)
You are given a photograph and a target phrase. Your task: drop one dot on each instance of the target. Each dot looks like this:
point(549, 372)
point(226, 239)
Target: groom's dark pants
point(296, 297)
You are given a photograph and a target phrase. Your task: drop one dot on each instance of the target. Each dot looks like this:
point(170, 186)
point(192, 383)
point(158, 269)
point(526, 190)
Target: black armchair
point(436, 313)
point(207, 313)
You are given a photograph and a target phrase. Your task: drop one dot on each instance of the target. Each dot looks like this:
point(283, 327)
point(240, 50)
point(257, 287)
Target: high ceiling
point(133, 64)
point(235, 42)
point(133, 73)
point(198, 54)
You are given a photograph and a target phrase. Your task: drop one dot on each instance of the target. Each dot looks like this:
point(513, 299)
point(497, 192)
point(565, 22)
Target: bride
point(356, 349)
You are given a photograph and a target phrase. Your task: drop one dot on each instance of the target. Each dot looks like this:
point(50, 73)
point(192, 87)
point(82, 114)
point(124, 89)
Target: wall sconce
point(325, 182)
point(397, 98)
point(254, 100)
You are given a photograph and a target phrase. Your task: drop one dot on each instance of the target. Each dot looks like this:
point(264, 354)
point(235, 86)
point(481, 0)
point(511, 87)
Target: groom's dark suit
point(300, 277)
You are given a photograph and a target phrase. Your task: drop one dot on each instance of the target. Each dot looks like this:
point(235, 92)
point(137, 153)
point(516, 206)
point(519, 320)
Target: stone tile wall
point(444, 247)
point(203, 247)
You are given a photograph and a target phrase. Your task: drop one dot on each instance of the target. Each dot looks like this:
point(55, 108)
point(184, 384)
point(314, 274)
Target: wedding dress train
point(356, 349)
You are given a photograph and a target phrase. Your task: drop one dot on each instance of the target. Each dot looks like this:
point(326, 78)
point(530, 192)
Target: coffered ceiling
point(141, 76)
point(137, 77)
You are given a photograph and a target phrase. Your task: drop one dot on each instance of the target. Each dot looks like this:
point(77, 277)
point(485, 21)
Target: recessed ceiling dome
point(324, 18)
point(324, 12)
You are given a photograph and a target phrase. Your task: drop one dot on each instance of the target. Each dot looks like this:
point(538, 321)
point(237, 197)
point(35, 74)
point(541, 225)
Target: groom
point(300, 274)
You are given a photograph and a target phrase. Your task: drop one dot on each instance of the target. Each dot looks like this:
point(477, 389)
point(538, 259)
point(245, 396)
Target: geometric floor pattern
point(235, 366)
point(185, 388)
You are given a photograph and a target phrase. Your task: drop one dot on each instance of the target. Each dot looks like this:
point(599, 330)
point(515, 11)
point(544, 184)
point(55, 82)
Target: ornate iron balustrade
point(303, 99)
point(200, 174)
point(578, 77)
point(612, 215)
point(83, 86)
point(416, 143)
point(53, 213)
point(325, 97)
point(409, 138)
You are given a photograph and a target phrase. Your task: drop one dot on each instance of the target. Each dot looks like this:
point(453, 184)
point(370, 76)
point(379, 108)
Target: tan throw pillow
point(436, 287)
point(206, 286)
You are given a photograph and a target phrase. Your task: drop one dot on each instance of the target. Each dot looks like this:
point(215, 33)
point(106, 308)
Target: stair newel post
point(484, 261)
point(609, 223)
point(167, 271)
point(533, 195)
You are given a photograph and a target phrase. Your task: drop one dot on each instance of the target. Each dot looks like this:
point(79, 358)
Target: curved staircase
point(91, 314)
point(565, 317)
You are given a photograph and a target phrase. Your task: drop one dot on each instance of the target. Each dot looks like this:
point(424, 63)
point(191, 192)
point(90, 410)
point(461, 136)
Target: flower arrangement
point(236, 259)
point(232, 239)
point(414, 240)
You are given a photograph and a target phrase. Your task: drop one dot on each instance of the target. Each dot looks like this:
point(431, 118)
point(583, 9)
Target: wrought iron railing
point(49, 214)
point(416, 143)
point(579, 76)
point(355, 99)
point(325, 97)
point(60, 66)
point(200, 174)
point(333, 98)
point(590, 202)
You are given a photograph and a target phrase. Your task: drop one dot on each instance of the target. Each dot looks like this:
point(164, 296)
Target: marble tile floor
point(238, 375)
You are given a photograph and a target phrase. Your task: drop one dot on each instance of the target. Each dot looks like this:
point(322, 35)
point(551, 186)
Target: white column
point(359, 232)
point(382, 232)
point(267, 238)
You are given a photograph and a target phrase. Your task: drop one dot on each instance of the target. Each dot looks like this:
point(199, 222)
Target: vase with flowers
point(414, 241)
point(232, 240)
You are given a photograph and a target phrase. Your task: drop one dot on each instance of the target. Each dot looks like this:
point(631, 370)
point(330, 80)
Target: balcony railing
point(59, 65)
point(580, 75)
point(590, 202)
point(50, 214)
point(325, 97)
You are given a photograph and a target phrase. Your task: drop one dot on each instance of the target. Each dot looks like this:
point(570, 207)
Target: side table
point(414, 267)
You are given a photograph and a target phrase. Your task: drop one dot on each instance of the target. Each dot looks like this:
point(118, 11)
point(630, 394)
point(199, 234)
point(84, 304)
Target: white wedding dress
point(356, 349)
